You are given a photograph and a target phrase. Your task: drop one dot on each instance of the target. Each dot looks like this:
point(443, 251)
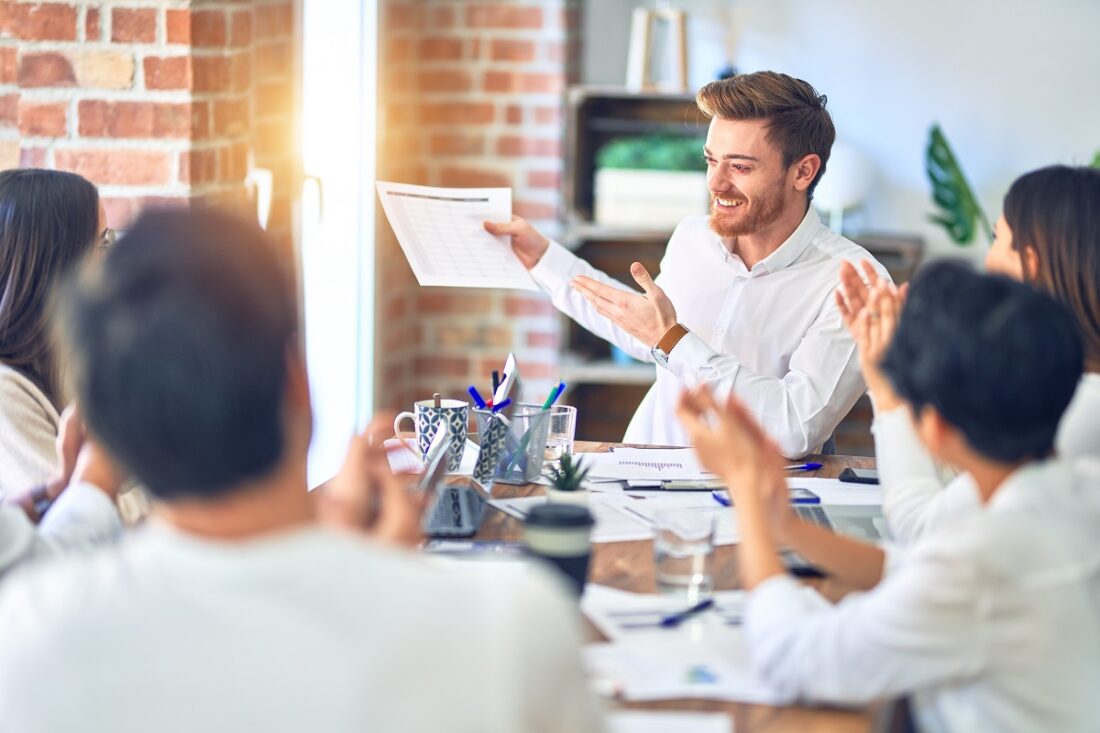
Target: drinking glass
point(563, 426)
point(684, 552)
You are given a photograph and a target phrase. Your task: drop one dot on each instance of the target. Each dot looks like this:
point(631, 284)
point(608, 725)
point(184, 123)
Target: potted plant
point(567, 479)
point(650, 181)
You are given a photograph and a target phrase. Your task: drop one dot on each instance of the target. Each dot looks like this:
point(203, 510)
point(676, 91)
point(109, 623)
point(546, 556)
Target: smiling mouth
point(728, 203)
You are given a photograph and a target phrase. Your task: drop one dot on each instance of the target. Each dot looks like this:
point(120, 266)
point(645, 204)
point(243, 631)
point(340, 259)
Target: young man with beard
point(744, 299)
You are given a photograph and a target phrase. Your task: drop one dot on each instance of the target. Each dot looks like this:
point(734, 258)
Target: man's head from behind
point(181, 342)
point(769, 140)
point(988, 365)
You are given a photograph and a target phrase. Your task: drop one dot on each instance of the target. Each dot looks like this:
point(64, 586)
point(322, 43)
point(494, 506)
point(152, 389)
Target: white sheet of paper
point(623, 615)
point(441, 232)
point(409, 460)
point(840, 493)
point(726, 531)
point(667, 721)
point(613, 524)
point(647, 463)
point(716, 668)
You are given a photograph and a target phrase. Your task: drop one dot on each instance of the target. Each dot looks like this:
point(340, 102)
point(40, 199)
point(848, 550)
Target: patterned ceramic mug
point(427, 418)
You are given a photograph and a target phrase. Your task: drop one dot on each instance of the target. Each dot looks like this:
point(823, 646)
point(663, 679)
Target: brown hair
point(48, 223)
point(1055, 212)
point(798, 123)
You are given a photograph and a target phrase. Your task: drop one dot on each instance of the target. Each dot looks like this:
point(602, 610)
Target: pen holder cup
point(512, 449)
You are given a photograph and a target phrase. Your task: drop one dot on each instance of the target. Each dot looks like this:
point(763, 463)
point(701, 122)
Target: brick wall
point(471, 95)
point(154, 100)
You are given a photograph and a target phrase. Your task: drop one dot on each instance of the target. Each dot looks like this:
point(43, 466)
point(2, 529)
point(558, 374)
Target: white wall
point(1015, 85)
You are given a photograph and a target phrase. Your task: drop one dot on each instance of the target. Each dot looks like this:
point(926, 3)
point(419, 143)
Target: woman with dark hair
point(1049, 237)
point(49, 222)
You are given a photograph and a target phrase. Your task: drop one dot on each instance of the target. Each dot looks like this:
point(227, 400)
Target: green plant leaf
point(653, 152)
point(1096, 160)
point(960, 214)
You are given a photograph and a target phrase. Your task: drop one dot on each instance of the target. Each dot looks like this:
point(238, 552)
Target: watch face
point(659, 356)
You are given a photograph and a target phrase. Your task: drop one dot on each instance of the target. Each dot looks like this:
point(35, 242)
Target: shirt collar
point(1031, 484)
point(787, 253)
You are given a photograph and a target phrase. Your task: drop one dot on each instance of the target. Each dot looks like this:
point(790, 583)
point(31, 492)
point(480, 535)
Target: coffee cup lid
point(559, 515)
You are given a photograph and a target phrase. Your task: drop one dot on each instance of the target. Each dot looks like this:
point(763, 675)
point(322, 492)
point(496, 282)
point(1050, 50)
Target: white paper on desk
point(649, 669)
point(623, 615)
point(409, 460)
point(647, 463)
point(667, 721)
point(613, 524)
point(442, 233)
point(839, 493)
point(726, 531)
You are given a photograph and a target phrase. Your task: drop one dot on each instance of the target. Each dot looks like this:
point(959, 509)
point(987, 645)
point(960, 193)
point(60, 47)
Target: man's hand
point(870, 311)
point(81, 458)
point(365, 495)
point(527, 243)
point(646, 316)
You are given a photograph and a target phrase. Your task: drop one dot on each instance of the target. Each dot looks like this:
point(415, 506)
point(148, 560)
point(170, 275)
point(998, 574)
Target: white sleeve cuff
point(781, 601)
point(885, 420)
point(690, 355)
point(82, 512)
point(555, 269)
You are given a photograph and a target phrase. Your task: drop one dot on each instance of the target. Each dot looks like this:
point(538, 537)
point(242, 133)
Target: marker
point(717, 495)
point(554, 395)
point(675, 619)
point(501, 406)
point(803, 467)
point(496, 381)
point(477, 398)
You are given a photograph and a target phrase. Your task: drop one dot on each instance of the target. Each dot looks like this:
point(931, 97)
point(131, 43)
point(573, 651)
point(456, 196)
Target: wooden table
point(629, 566)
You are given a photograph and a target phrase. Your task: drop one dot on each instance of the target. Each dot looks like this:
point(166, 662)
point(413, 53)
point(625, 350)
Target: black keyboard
point(456, 513)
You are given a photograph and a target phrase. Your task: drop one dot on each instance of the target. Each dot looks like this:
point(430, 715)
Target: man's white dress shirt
point(772, 334)
point(918, 495)
point(82, 518)
point(300, 631)
point(991, 622)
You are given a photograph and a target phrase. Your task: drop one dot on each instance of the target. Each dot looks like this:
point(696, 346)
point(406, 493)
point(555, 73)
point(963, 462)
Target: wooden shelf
point(607, 372)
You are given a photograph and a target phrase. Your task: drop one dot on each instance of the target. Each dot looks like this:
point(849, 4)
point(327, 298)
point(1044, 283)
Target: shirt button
point(719, 331)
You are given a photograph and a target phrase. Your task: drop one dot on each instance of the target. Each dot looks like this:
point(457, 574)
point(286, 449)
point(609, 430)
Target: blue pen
point(803, 467)
point(675, 619)
point(477, 398)
point(720, 499)
point(502, 405)
point(798, 496)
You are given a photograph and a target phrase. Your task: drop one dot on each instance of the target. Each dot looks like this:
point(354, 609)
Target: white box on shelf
point(648, 198)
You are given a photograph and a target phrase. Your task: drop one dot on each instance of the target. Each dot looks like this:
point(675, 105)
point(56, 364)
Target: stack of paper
point(667, 464)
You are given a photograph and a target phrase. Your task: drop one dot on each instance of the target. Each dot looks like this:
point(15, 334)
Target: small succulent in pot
point(569, 474)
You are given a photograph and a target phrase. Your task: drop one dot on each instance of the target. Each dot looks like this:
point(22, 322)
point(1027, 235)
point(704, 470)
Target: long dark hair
point(48, 223)
point(1055, 211)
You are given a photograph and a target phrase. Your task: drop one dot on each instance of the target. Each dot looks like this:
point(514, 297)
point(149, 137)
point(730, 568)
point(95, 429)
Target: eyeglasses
point(107, 238)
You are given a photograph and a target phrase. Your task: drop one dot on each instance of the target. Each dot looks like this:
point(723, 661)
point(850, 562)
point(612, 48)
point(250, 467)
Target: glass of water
point(684, 552)
point(563, 426)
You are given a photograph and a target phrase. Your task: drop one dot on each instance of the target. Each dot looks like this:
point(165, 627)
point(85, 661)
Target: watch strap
point(671, 338)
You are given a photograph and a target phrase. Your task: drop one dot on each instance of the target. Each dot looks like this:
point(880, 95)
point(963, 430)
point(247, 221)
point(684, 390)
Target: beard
point(751, 216)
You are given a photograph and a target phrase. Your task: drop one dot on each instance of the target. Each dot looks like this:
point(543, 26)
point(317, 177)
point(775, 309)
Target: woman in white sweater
point(1049, 237)
point(49, 222)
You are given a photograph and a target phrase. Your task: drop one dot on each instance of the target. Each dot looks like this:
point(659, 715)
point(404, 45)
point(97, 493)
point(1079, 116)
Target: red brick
point(540, 370)
point(93, 25)
point(233, 162)
point(443, 18)
point(548, 115)
point(438, 301)
point(555, 52)
point(178, 26)
point(514, 114)
point(474, 178)
point(510, 81)
point(121, 167)
point(133, 119)
point(38, 21)
point(242, 72)
point(399, 50)
point(120, 211)
point(32, 158)
point(43, 120)
point(9, 110)
point(402, 16)
point(240, 34)
point(544, 179)
point(534, 210)
point(501, 49)
point(460, 113)
point(9, 67)
point(274, 21)
point(441, 366)
point(503, 16)
point(211, 73)
point(208, 28)
point(528, 146)
point(444, 80)
point(455, 144)
point(133, 25)
point(47, 69)
point(231, 117)
point(440, 48)
point(539, 339)
point(271, 138)
point(172, 72)
point(519, 305)
point(200, 120)
point(273, 59)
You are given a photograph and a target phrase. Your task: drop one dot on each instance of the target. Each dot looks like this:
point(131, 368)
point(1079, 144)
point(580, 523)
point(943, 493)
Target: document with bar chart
point(441, 233)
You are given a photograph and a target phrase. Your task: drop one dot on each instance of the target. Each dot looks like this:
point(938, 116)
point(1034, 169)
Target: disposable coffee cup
point(561, 534)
